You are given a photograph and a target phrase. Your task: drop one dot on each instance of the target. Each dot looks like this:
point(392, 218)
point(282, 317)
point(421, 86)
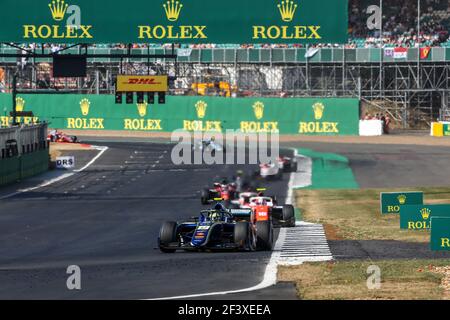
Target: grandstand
point(413, 85)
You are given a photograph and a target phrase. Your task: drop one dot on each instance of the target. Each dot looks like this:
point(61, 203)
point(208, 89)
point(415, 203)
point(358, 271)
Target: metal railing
point(254, 55)
point(19, 140)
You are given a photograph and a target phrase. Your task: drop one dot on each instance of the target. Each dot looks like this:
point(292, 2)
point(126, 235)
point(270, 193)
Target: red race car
point(58, 136)
point(265, 208)
point(220, 192)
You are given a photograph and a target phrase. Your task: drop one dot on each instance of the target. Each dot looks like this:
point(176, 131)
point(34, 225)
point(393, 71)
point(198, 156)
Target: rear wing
point(241, 213)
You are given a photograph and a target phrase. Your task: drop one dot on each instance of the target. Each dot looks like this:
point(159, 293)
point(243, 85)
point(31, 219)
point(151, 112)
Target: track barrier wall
point(305, 116)
point(26, 156)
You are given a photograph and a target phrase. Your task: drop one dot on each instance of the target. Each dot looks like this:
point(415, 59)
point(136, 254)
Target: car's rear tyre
point(204, 198)
point(289, 215)
point(241, 234)
point(167, 235)
point(264, 235)
point(280, 175)
point(294, 166)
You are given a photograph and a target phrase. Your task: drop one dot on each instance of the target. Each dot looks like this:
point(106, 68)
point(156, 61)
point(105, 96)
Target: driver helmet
point(219, 207)
point(261, 202)
point(214, 216)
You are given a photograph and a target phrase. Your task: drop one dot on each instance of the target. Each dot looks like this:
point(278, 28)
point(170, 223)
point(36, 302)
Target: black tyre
point(241, 234)
point(204, 198)
point(280, 175)
point(274, 199)
point(167, 235)
point(289, 216)
point(294, 166)
point(264, 235)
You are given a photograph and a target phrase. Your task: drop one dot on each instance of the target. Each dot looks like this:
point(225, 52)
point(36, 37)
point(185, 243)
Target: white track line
point(57, 179)
point(270, 274)
point(305, 242)
point(90, 163)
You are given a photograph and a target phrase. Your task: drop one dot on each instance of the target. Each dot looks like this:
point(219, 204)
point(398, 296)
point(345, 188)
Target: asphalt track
point(106, 220)
point(391, 166)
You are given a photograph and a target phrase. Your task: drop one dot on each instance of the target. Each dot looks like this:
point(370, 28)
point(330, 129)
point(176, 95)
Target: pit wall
point(24, 166)
point(304, 116)
point(24, 152)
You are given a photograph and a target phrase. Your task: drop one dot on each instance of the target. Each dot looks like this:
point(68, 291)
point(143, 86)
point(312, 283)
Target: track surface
point(106, 220)
point(391, 166)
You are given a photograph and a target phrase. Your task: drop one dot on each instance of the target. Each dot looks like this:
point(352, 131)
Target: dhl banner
point(174, 21)
point(142, 84)
point(304, 116)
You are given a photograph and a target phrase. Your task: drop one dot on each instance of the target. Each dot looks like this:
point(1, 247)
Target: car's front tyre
point(167, 235)
point(289, 215)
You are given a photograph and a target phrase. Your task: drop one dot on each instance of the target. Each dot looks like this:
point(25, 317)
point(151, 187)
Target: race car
point(221, 191)
point(287, 164)
point(217, 229)
point(244, 199)
point(271, 171)
point(58, 136)
point(209, 145)
point(282, 216)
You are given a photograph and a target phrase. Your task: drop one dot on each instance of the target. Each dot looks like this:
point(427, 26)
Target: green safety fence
point(24, 166)
point(305, 116)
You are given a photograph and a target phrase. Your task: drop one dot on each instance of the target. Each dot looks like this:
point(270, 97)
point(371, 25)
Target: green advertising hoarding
point(306, 116)
point(174, 21)
point(446, 130)
point(418, 217)
point(440, 234)
point(390, 202)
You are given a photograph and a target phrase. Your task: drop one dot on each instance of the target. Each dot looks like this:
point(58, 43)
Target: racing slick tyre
point(264, 235)
point(242, 236)
point(204, 198)
point(289, 215)
point(294, 166)
point(167, 235)
point(279, 175)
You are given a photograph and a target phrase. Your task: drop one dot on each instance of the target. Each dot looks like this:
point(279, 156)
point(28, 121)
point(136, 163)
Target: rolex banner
point(174, 21)
point(440, 234)
point(390, 202)
point(418, 217)
point(305, 116)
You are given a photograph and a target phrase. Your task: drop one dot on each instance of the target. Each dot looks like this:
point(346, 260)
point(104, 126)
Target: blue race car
point(217, 229)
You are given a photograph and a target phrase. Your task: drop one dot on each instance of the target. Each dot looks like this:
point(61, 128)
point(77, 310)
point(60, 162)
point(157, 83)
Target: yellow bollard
point(437, 129)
